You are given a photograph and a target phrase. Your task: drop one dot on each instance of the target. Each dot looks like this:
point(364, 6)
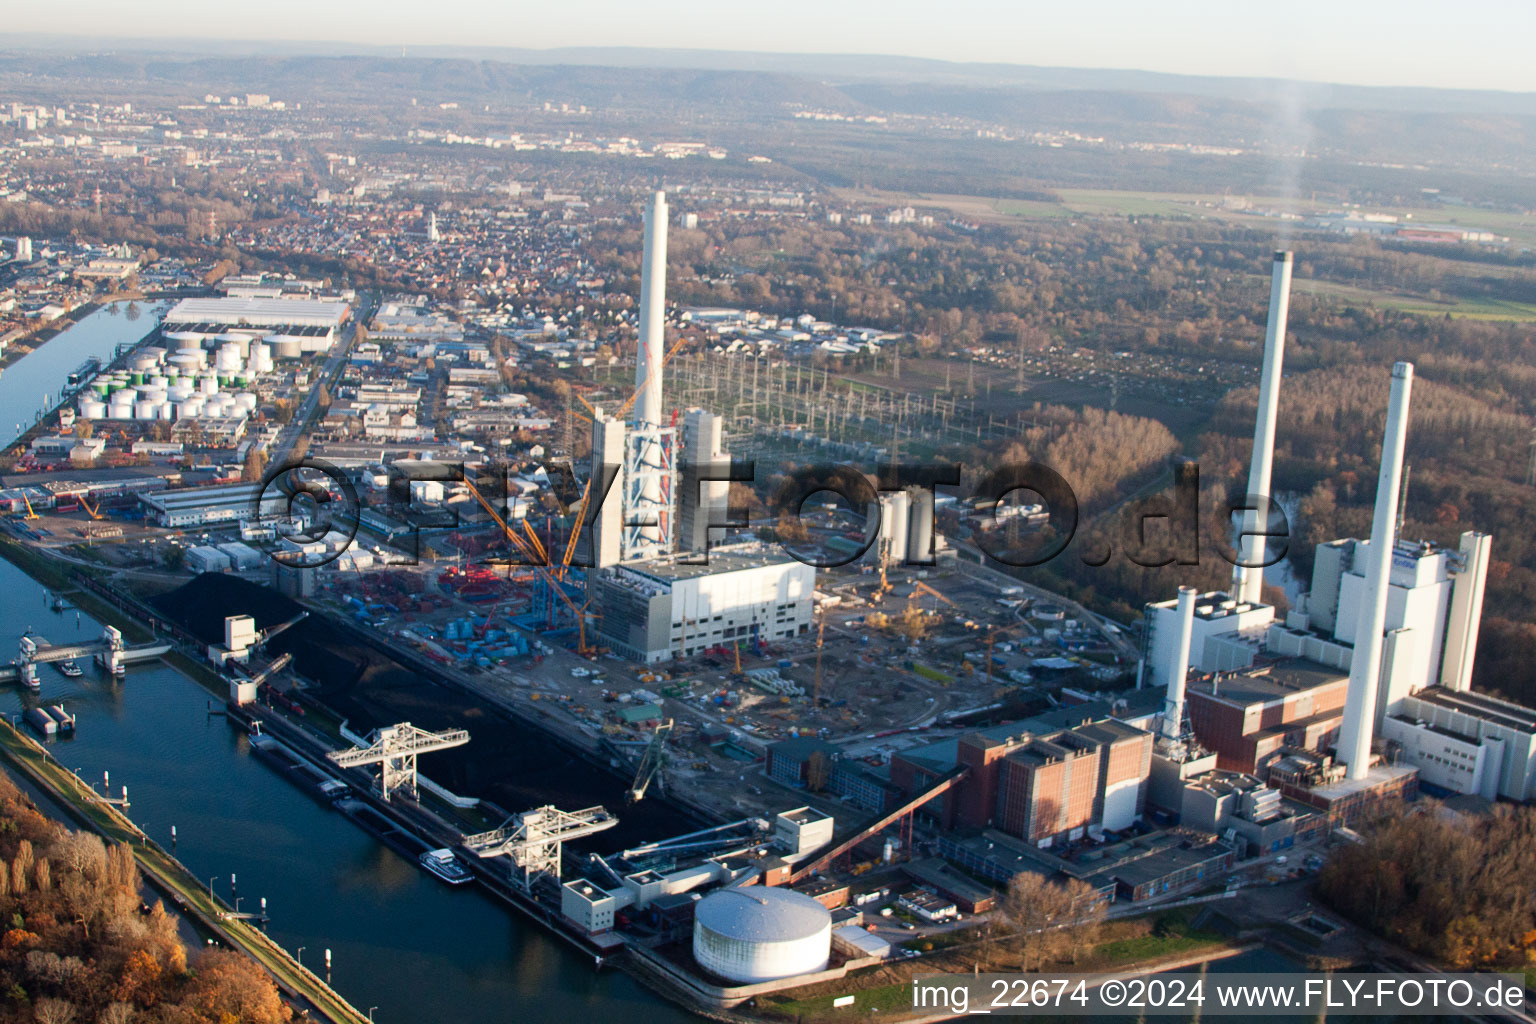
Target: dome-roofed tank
point(761, 933)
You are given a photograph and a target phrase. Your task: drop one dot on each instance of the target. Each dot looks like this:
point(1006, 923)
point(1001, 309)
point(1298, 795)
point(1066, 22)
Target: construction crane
point(395, 748)
point(650, 762)
point(922, 588)
point(533, 839)
point(539, 565)
point(821, 629)
point(93, 511)
point(30, 513)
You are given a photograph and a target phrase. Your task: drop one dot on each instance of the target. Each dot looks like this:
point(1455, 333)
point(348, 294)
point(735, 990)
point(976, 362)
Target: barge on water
point(51, 720)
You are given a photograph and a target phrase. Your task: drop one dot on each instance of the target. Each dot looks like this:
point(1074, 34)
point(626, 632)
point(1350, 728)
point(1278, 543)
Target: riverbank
point(170, 877)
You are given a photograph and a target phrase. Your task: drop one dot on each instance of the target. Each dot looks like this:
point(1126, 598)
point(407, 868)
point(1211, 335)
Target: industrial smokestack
point(1365, 668)
point(1173, 709)
point(1248, 583)
point(653, 306)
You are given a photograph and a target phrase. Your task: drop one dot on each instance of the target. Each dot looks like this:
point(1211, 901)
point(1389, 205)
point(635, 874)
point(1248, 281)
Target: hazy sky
point(1470, 44)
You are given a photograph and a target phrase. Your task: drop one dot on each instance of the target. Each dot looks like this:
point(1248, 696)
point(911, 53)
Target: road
point(304, 415)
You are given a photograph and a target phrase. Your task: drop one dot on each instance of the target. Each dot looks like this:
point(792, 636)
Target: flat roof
point(721, 560)
point(1377, 776)
point(1269, 682)
point(233, 309)
point(1503, 712)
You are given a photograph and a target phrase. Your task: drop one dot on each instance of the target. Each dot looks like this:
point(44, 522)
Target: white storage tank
point(288, 348)
point(245, 401)
point(190, 409)
point(93, 408)
point(184, 340)
point(208, 385)
point(189, 360)
point(146, 409)
point(166, 410)
point(261, 358)
point(761, 933)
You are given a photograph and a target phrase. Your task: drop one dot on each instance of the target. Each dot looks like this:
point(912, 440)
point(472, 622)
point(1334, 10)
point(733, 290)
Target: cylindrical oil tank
point(761, 933)
point(208, 385)
point(245, 401)
point(166, 410)
point(261, 358)
point(146, 409)
point(190, 409)
point(93, 408)
point(288, 348)
point(183, 340)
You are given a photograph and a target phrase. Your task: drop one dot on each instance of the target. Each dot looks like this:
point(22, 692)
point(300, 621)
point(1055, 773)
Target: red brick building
point(1247, 718)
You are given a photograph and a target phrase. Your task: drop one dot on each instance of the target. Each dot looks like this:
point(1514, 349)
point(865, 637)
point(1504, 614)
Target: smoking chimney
point(1173, 709)
point(653, 305)
point(1248, 583)
point(1365, 668)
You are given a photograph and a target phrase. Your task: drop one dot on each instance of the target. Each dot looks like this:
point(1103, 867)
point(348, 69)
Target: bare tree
point(53, 1011)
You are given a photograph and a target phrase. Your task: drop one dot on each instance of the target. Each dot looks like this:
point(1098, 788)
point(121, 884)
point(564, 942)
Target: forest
point(79, 944)
point(1455, 889)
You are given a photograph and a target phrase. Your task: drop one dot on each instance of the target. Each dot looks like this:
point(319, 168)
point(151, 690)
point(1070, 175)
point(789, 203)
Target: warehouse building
point(205, 506)
point(311, 323)
point(656, 610)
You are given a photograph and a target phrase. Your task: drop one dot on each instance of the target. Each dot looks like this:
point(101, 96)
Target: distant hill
point(840, 68)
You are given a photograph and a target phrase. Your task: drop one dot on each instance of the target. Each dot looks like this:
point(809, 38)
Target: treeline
point(80, 946)
point(1459, 891)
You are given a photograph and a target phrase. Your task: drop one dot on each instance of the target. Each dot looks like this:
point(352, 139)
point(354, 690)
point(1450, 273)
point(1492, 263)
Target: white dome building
point(761, 933)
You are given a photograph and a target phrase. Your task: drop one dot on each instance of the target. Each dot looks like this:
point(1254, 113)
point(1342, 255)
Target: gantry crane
point(533, 839)
point(395, 749)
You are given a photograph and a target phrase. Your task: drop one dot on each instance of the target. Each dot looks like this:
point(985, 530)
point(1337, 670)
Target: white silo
point(228, 360)
point(895, 508)
point(261, 358)
point(761, 933)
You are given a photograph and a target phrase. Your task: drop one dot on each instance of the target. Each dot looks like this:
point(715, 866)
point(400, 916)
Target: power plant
point(659, 596)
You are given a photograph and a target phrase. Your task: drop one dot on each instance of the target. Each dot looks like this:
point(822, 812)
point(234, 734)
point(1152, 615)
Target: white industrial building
point(759, 933)
point(205, 506)
point(664, 608)
point(310, 324)
point(1467, 742)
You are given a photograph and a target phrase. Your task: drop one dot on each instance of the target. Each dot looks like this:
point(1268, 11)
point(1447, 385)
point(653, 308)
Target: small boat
point(71, 669)
point(58, 604)
point(446, 866)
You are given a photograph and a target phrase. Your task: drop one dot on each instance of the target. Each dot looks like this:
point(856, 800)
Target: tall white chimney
point(1173, 708)
point(1365, 668)
point(1248, 583)
point(653, 307)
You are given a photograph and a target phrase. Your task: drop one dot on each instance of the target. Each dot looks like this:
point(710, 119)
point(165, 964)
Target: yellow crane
point(94, 511)
point(30, 513)
point(539, 565)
